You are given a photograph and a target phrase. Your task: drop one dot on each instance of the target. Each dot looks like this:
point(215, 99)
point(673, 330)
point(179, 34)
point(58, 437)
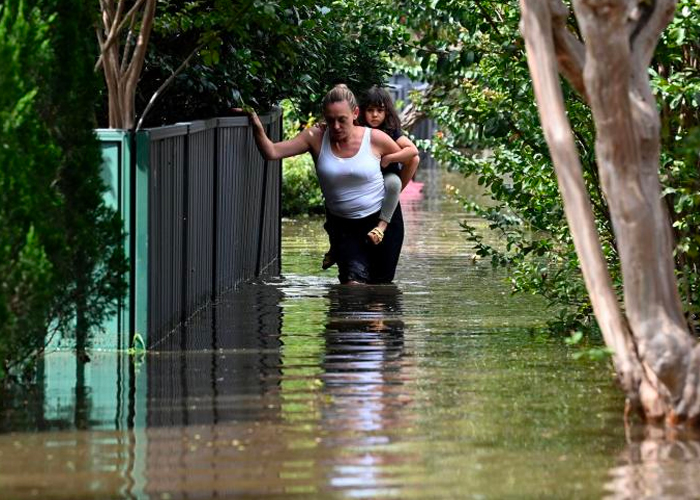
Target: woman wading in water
point(348, 160)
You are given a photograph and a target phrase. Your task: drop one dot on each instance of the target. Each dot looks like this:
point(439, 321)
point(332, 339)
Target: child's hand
point(385, 162)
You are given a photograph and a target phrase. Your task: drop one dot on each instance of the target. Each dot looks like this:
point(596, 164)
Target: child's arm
point(407, 152)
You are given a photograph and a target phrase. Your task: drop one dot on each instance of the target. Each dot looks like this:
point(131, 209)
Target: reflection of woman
point(364, 373)
point(348, 161)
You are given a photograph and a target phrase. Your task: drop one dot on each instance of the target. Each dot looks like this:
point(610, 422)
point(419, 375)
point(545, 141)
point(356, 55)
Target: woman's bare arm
point(302, 143)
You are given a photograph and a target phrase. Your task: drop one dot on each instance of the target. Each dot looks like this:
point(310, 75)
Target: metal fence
point(202, 211)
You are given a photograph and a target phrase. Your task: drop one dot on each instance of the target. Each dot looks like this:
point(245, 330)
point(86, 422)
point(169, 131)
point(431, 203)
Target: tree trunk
point(122, 70)
point(654, 355)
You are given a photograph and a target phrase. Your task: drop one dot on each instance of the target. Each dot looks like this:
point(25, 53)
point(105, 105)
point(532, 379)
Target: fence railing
point(201, 209)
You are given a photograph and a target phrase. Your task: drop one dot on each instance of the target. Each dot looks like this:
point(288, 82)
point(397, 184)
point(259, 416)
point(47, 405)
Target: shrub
point(61, 262)
point(301, 193)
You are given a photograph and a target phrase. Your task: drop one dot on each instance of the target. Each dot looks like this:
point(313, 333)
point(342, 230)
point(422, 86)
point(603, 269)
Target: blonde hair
point(340, 93)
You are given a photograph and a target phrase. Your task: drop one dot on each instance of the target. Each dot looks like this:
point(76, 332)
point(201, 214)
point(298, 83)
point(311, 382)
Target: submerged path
point(440, 386)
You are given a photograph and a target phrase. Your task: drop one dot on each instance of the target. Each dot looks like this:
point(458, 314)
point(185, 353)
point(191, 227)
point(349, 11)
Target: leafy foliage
point(60, 248)
point(472, 55)
point(262, 52)
point(676, 81)
point(482, 100)
point(301, 192)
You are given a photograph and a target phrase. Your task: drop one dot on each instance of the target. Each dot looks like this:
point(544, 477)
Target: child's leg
point(392, 190)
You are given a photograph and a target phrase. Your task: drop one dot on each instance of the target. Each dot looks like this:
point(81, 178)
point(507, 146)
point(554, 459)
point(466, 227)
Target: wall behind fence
point(202, 211)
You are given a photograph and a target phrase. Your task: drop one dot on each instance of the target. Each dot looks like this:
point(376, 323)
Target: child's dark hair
point(379, 97)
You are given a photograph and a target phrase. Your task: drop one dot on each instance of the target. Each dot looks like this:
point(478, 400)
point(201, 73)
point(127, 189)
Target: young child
point(377, 111)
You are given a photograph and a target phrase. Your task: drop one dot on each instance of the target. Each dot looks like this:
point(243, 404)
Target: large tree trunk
point(654, 355)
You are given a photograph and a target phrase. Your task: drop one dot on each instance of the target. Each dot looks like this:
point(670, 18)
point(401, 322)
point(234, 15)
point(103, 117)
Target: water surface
point(442, 385)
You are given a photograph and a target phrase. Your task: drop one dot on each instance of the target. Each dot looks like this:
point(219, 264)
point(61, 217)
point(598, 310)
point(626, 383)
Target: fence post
point(117, 154)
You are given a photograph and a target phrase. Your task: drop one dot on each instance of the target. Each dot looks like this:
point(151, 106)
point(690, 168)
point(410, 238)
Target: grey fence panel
point(247, 239)
point(166, 212)
point(254, 179)
point(225, 201)
point(200, 217)
point(268, 257)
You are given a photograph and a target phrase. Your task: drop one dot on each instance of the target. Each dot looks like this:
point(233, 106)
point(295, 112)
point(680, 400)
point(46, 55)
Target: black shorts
point(358, 258)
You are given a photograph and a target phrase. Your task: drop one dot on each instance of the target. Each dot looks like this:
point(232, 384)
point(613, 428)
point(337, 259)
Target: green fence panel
point(116, 174)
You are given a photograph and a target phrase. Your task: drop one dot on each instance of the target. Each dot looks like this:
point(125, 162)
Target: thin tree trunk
point(121, 72)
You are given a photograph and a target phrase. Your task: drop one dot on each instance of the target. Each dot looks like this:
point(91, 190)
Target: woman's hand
point(253, 117)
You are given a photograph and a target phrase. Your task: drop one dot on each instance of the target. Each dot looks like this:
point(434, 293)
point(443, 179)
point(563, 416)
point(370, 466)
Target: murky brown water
point(441, 386)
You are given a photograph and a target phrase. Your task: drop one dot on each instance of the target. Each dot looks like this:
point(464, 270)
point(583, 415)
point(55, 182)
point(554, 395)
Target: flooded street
point(442, 385)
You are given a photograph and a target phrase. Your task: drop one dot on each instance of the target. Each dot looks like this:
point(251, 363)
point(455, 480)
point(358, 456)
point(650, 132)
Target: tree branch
point(651, 27)
point(133, 72)
point(157, 93)
point(113, 34)
point(107, 7)
point(127, 45)
point(570, 52)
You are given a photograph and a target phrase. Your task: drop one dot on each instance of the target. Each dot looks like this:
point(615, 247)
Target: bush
point(301, 193)
point(61, 262)
point(289, 49)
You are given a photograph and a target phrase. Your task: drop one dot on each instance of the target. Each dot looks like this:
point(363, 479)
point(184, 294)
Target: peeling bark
point(655, 357)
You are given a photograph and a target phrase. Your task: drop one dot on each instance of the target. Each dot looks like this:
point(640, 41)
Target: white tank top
point(353, 187)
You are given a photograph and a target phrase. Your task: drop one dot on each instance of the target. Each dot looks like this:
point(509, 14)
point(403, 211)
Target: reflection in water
point(363, 376)
point(172, 423)
point(219, 374)
point(657, 463)
point(222, 366)
point(71, 395)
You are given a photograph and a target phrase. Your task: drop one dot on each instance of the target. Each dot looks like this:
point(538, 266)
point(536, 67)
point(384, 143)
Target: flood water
point(442, 385)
